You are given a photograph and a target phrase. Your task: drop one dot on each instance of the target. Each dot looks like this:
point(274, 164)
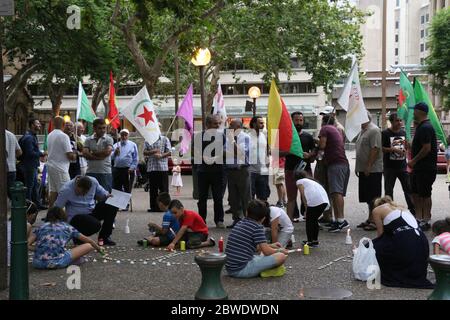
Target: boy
point(170, 225)
point(193, 229)
point(245, 239)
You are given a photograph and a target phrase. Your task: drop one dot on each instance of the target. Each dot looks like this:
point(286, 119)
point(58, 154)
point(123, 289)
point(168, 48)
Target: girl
point(315, 199)
point(51, 239)
point(441, 229)
point(280, 225)
point(176, 177)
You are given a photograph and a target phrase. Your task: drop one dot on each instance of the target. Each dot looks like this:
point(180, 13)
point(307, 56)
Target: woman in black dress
point(401, 247)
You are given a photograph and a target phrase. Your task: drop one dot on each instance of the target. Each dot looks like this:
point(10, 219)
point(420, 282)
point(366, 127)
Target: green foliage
point(438, 62)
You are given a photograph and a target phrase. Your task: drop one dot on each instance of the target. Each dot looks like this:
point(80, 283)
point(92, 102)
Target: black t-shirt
point(425, 134)
point(307, 141)
point(392, 139)
point(203, 141)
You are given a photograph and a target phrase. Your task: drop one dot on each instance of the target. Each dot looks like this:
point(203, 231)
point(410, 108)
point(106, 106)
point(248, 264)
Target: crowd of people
point(83, 170)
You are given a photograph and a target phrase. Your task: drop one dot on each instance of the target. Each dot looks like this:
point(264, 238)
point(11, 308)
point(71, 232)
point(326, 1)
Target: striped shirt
point(444, 241)
point(242, 243)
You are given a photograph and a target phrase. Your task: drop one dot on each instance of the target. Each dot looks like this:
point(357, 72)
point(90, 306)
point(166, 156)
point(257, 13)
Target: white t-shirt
point(315, 194)
point(58, 145)
point(83, 161)
point(284, 220)
point(11, 146)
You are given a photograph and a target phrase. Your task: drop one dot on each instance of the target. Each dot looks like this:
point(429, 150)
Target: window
point(422, 33)
point(398, 3)
point(397, 24)
point(422, 60)
point(428, 17)
point(422, 47)
point(396, 51)
point(422, 19)
point(396, 38)
point(294, 63)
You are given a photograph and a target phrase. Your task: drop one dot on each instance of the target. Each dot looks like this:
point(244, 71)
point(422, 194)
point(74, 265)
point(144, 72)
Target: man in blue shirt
point(125, 157)
point(29, 162)
point(78, 198)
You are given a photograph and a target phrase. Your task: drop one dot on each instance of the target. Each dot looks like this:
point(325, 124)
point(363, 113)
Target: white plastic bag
point(364, 260)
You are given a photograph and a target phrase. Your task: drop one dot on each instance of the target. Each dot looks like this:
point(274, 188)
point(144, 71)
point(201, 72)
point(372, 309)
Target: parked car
point(186, 167)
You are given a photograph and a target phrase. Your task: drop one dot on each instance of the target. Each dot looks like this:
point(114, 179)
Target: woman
point(401, 247)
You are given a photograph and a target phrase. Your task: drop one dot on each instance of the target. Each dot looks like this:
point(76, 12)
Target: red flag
point(401, 98)
point(113, 114)
point(50, 126)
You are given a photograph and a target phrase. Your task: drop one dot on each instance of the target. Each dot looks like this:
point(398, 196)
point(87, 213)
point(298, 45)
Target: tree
point(438, 62)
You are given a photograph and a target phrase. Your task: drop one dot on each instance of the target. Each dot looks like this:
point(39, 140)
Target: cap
point(327, 110)
point(125, 131)
point(422, 107)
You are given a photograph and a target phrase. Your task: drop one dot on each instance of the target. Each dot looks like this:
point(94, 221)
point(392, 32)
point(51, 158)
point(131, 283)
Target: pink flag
point(186, 111)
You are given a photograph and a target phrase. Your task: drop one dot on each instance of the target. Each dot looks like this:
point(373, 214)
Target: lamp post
point(254, 93)
point(200, 59)
point(66, 117)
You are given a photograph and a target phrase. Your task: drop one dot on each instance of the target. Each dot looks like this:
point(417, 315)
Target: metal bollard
point(211, 265)
point(441, 266)
point(18, 287)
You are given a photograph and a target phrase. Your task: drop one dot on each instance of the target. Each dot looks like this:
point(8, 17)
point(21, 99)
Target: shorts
point(62, 262)
point(369, 187)
point(194, 239)
point(422, 183)
point(338, 176)
point(164, 240)
point(278, 176)
point(56, 179)
point(254, 267)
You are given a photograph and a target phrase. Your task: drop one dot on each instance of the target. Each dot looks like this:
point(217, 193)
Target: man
point(81, 139)
point(331, 146)
point(423, 165)
point(97, 150)
point(78, 197)
point(208, 155)
point(125, 156)
point(292, 161)
point(158, 155)
point(259, 173)
point(77, 149)
point(394, 160)
point(30, 161)
point(13, 151)
point(237, 148)
point(59, 156)
point(369, 168)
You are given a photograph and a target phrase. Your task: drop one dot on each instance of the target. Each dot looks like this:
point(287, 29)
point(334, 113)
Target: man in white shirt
point(59, 156)
point(13, 151)
point(81, 138)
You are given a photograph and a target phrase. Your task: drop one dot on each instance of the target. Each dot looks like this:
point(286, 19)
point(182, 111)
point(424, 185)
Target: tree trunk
point(17, 83)
point(100, 90)
point(56, 93)
point(215, 76)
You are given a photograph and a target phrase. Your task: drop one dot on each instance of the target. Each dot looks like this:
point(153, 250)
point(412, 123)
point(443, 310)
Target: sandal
point(370, 227)
point(363, 224)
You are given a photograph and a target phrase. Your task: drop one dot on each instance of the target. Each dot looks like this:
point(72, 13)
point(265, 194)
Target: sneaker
point(338, 226)
point(275, 272)
point(220, 225)
point(100, 242)
point(108, 242)
point(289, 245)
point(229, 211)
point(311, 244)
point(325, 223)
point(279, 204)
point(424, 225)
point(212, 242)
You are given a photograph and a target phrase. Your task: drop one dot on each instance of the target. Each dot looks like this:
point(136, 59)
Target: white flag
point(219, 105)
point(141, 113)
point(351, 100)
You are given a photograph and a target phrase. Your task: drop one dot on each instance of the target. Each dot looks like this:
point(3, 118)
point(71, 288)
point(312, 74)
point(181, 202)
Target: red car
point(441, 162)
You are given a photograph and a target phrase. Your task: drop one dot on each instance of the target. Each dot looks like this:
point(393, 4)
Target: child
point(281, 227)
point(51, 239)
point(177, 182)
point(248, 237)
point(193, 229)
point(315, 199)
point(170, 225)
point(441, 229)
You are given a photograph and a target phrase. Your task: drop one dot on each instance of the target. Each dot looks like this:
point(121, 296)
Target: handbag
point(364, 260)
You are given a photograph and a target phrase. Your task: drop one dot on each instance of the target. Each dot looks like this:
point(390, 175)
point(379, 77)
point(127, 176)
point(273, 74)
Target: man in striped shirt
point(247, 240)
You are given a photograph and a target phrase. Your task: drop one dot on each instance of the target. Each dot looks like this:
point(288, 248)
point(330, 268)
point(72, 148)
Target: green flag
point(406, 103)
point(84, 109)
point(422, 96)
point(45, 139)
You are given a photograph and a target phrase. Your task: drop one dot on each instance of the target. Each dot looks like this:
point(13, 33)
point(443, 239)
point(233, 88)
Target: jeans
point(31, 182)
point(89, 224)
point(390, 176)
point(259, 186)
point(215, 181)
point(104, 179)
point(159, 182)
point(238, 191)
point(122, 179)
point(255, 266)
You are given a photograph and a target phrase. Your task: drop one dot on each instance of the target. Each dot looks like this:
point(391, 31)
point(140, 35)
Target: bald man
point(60, 154)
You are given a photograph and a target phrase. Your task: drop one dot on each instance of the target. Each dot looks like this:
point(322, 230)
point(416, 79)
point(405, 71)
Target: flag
point(422, 96)
point(406, 101)
point(141, 113)
point(113, 114)
point(219, 105)
point(352, 102)
point(186, 111)
point(278, 117)
point(45, 147)
point(84, 109)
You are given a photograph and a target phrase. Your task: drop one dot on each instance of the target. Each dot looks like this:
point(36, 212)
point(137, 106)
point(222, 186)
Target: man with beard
point(292, 161)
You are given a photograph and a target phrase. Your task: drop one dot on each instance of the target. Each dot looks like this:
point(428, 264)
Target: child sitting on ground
point(193, 229)
point(51, 239)
point(441, 229)
point(280, 225)
point(165, 233)
point(246, 238)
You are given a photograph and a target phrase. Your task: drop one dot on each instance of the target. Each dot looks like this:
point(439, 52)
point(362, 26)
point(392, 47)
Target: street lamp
point(200, 59)
point(66, 117)
point(254, 93)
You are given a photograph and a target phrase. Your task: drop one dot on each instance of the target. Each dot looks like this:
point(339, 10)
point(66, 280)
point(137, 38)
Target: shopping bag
point(364, 260)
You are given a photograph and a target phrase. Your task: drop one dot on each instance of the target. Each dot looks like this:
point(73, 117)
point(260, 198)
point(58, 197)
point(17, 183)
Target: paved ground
point(150, 277)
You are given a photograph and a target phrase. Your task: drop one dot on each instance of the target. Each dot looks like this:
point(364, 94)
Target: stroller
point(142, 176)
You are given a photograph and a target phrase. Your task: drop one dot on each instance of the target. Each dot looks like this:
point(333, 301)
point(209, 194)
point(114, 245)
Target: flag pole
point(171, 124)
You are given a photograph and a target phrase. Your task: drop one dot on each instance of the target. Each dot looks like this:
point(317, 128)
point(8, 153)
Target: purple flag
point(186, 111)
